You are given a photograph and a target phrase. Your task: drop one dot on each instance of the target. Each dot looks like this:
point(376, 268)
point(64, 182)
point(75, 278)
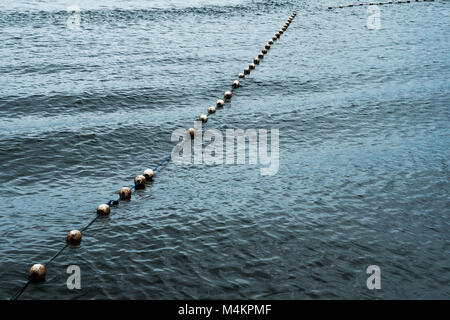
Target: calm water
point(364, 149)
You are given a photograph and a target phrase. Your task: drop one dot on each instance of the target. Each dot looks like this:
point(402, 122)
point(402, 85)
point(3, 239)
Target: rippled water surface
point(364, 127)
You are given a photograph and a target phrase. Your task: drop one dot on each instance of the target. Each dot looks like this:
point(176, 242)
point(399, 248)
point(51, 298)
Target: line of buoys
point(379, 3)
point(38, 271)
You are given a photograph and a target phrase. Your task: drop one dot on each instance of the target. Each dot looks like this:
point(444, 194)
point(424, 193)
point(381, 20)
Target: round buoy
point(74, 237)
point(361, 4)
point(251, 66)
point(274, 38)
point(371, 4)
point(277, 34)
point(211, 110)
point(270, 42)
point(227, 94)
point(241, 75)
point(256, 61)
point(283, 28)
point(281, 31)
point(191, 132)
point(263, 51)
point(219, 103)
point(148, 174)
point(103, 209)
point(236, 83)
point(267, 46)
point(329, 8)
point(341, 6)
point(203, 118)
point(125, 193)
point(246, 71)
point(139, 182)
point(37, 273)
point(381, 3)
point(350, 5)
point(260, 55)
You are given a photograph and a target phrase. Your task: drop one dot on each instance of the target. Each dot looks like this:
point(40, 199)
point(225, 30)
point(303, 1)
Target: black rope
point(21, 290)
point(159, 166)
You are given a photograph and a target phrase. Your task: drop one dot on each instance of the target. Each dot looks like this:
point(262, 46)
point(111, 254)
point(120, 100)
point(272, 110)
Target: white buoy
point(139, 182)
point(103, 209)
point(148, 174)
point(236, 83)
point(74, 237)
point(251, 66)
point(241, 75)
point(125, 193)
point(37, 273)
point(256, 61)
point(203, 118)
point(227, 95)
point(211, 110)
point(191, 132)
point(220, 103)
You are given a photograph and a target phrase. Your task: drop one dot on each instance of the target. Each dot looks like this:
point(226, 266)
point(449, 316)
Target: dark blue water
point(364, 129)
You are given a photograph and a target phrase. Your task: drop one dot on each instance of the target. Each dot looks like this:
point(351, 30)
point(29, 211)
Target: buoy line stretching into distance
point(38, 271)
point(377, 3)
